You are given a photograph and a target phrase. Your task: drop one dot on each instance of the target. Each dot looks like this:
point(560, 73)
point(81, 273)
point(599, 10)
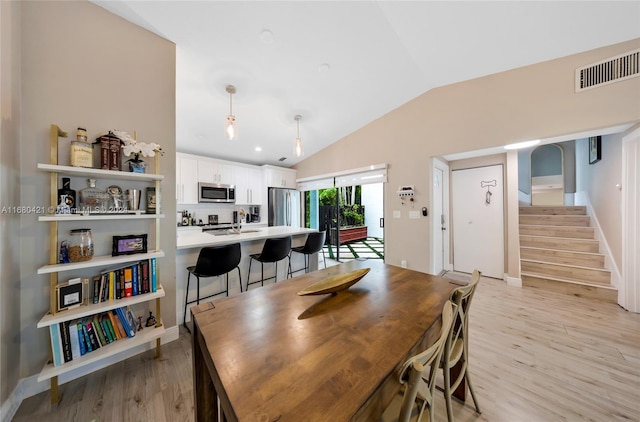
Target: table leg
point(204, 393)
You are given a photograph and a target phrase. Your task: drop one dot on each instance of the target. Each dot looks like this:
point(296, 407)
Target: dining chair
point(456, 347)
point(418, 386)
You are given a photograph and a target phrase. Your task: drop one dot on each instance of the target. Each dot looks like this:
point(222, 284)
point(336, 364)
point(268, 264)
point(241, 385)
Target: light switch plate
point(414, 214)
point(396, 214)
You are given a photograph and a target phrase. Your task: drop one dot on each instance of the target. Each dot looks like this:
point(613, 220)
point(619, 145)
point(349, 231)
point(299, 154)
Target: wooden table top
point(277, 356)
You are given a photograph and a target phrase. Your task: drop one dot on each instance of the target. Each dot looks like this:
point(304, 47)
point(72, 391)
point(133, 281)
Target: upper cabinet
point(186, 179)
point(248, 181)
point(213, 171)
point(279, 177)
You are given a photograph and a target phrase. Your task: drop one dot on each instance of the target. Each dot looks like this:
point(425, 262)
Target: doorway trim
point(436, 225)
point(629, 290)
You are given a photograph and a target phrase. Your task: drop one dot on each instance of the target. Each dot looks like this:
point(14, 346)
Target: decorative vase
point(137, 165)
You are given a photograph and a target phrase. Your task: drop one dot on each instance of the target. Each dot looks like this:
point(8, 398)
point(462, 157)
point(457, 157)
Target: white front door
point(478, 220)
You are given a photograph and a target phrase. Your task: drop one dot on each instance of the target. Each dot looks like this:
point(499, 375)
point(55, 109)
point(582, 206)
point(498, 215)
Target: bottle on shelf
point(66, 196)
point(92, 199)
point(81, 150)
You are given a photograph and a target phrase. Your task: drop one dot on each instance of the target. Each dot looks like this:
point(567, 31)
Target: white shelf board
point(97, 308)
point(94, 217)
point(99, 261)
point(141, 337)
point(99, 173)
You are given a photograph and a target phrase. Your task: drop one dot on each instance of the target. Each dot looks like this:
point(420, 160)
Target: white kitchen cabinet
point(213, 171)
point(279, 177)
point(248, 182)
point(186, 179)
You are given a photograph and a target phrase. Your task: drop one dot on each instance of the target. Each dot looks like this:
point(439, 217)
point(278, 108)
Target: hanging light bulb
point(230, 126)
point(297, 149)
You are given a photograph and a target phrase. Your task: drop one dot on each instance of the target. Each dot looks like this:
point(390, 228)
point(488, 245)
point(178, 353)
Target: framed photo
point(595, 145)
point(129, 245)
point(71, 294)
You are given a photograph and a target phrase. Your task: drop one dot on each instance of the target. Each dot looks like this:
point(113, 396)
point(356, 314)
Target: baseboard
point(29, 387)
point(513, 281)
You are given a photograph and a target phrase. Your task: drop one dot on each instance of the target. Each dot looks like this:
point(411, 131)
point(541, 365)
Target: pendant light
point(297, 149)
point(230, 127)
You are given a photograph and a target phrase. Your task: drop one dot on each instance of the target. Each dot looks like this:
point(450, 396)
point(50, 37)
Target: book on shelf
point(117, 327)
point(153, 275)
point(99, 330)
point(122, 314)
point(144, 271)
point(66, 341)
point(81, 339)
point(74, 338)
point(91, 332)
point(127, 274)
point(56, 344)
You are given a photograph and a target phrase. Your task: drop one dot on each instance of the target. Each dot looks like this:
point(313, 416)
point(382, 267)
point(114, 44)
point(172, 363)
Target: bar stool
point(212, 261)
point(274, 250)
point(313, 244)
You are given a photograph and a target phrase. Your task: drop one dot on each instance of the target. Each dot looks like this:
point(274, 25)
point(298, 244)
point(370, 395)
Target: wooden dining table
point(271, 355)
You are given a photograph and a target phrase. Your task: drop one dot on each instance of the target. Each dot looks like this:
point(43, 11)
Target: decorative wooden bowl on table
point(335, 283)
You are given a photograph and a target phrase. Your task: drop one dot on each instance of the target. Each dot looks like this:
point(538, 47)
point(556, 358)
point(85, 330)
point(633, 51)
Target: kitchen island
point(251, 239)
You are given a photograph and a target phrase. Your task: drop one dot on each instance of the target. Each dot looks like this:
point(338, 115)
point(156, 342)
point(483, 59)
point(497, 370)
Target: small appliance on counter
point(255, 214)
point(213, 219)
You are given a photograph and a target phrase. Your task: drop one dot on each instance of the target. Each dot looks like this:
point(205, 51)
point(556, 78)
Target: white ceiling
point(343, 64)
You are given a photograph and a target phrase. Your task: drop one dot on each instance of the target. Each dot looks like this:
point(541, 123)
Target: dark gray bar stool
point(313, 244)
point(212, 261)
point(274, 250)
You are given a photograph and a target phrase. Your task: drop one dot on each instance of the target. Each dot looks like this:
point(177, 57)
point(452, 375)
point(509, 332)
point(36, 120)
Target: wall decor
point(129, 244)
point(71, 294)
point(595, 149)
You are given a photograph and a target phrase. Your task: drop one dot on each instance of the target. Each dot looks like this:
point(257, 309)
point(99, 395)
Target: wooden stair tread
point(561, 250)
point(565, 280)
point(566, 265)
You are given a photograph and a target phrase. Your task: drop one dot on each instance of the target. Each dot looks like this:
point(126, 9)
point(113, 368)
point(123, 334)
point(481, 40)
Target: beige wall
point(83, 66)
point(9, 195)
point(528, 103)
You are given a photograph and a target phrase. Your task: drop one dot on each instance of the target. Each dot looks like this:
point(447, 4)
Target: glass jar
point(81, 150)
point(80, 245)
point(92, 199)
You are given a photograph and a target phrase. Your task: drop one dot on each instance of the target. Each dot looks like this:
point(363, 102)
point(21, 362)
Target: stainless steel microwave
point(213, 192)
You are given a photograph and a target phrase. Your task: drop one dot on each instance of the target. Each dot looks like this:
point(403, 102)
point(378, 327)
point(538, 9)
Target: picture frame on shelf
point(71, 294)
point(129, 244)
point(595, 149)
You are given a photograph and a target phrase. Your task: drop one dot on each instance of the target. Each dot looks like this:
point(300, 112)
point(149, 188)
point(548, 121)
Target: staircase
point(558, 252)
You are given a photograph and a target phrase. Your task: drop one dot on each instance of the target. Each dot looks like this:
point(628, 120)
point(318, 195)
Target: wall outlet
point(396, 214)
point(403, 263)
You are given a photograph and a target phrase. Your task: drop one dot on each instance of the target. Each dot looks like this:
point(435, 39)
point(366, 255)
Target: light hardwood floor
point(535, 356)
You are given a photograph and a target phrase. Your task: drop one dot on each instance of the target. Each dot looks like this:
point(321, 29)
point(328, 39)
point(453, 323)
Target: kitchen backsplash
point(202, 211)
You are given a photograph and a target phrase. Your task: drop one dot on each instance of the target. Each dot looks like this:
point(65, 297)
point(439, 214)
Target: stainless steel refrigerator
point(284, 207)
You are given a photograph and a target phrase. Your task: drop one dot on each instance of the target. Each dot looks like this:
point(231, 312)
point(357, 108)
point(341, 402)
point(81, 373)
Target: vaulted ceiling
point(343, 64)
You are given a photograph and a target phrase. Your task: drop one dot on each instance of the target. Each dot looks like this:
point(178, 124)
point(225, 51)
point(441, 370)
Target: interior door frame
point(629, 291)
point(436, 225)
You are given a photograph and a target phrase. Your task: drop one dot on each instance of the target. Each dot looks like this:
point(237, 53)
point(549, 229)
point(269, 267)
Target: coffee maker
point(255, 214)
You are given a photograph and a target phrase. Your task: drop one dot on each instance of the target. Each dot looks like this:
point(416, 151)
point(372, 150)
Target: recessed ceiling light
point(324, 67)
point(258, 149)
point(520, 145)
point(266, 36)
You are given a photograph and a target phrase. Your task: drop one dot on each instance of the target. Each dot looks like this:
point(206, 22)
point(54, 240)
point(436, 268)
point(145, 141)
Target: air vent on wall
point(613, 69)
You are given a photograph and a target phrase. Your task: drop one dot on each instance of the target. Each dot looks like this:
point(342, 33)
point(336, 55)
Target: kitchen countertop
point(196, 239)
